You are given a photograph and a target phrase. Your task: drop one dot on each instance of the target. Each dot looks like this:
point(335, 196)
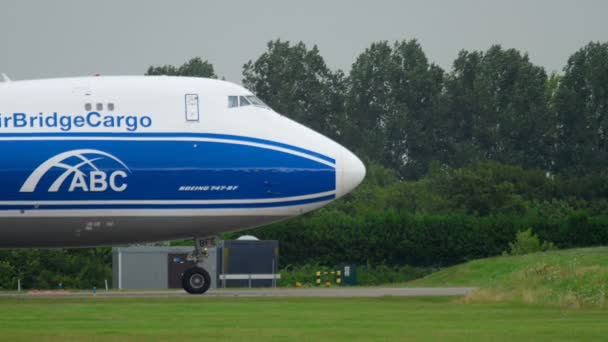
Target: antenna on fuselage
point(5, 78)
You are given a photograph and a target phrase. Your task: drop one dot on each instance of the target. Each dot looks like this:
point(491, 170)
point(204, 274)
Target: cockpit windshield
point(257, 102)
point(248, 100)
point(243, 101)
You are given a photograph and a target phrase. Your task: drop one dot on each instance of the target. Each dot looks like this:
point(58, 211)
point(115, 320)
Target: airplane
point(97, 161)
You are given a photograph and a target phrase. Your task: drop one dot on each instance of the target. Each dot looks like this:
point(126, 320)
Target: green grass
point(575, 277)
point(569, 285)
point(263, 319)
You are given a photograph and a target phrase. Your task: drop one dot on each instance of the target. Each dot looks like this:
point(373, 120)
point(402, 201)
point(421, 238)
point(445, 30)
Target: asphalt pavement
point(343, 292)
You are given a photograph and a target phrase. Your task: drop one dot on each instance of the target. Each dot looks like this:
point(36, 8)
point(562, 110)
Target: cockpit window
point(257, 102)
point(233, 101)
point(244, 102)
point(248, 100)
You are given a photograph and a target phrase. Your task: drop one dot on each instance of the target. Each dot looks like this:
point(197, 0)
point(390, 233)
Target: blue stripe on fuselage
point(160, 169)
point(178, 135)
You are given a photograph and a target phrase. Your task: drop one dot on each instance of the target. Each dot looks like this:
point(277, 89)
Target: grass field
point(568, 278)
point(557, 295)
point(263, 319)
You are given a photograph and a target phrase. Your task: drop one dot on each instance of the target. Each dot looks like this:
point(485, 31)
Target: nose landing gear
point(196, 280)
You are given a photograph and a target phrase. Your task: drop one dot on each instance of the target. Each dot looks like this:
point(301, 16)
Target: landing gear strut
point(196, 280)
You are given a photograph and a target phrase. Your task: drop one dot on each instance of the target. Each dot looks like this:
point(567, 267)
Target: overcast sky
point(113, 37)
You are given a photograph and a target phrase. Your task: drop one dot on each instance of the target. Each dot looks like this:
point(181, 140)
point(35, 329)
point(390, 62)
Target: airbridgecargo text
point(66, 123)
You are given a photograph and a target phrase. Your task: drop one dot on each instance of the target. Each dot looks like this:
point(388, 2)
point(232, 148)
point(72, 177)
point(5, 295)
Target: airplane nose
point(351, 173)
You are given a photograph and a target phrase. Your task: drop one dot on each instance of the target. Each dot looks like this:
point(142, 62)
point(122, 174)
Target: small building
point(235, 263)
point(248, 262)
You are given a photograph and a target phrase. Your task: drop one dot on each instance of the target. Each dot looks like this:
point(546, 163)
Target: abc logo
point(94, 180)
point(99, 181)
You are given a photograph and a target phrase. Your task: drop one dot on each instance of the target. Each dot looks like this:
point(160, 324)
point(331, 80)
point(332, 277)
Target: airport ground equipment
point(328, 277)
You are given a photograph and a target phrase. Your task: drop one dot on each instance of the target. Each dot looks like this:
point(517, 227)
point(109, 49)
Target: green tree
point(497, 106)
point(195, 67)
point(581, 105)
point(393, 107)
point(527, 242)
point(552, 86)
point(7, 276)
point(490, 188)
point(296, 82)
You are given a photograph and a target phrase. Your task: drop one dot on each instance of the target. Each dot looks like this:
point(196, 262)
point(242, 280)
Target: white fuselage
point(107, 160)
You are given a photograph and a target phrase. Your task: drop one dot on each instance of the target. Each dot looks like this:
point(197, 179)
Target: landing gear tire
point(196, 280)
